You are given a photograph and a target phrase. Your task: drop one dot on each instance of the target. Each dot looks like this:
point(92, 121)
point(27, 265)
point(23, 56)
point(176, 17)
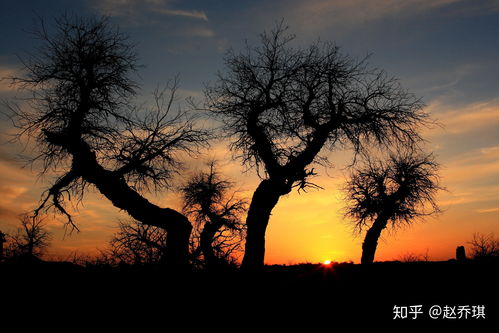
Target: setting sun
point(310, 162)
point(302, 227)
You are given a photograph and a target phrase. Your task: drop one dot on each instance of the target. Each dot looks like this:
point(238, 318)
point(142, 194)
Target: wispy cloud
point(5, 83)
point(466, 118)
point(445, 79)
point(318, 15)
point(186, 13)
point(471, 177)
point(362, 10)
point(470, 161)
point(134, 9)
point(16, 196)
point(490, 151)
point(488, 210)
point(473, 195)
point(473, 167)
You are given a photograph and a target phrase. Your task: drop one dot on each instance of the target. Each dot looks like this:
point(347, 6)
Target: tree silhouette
point(86, 127)
point(282, 105)
point(217, 211)
point(31, 239)
point(484, 246)
point(137, 243)
point(391, 193)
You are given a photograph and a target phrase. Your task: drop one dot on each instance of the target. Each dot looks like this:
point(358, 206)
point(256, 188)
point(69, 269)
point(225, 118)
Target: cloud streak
point(5, 83)
point(466, 118)
point(360, 10)
point(196, 14)
point(134, 9)
point(488, 210)
point(319, 15)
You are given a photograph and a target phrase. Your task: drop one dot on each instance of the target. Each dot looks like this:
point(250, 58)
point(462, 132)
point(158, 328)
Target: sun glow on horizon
point(327, 262)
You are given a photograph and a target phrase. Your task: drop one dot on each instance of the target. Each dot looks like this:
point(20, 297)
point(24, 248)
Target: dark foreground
point(317, 295)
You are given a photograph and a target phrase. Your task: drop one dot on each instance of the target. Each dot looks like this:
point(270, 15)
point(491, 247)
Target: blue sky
point(427, 43)
point(444, 51)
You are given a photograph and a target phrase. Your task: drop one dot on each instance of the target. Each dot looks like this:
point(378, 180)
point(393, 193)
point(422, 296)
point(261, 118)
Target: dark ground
point(283, 296)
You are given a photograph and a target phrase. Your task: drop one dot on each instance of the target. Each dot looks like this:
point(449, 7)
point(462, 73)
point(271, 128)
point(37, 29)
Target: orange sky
point(444, 51)
point(307, 227)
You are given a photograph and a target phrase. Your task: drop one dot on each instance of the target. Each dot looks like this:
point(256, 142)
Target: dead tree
point(216, 211)
point(282, 105)
point(32, 238)
point(86, 128)
point(484, 246)
point(138, 244)
point(392, 193)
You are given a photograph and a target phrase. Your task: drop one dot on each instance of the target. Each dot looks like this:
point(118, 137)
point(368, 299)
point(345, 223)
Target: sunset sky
point(444, 51)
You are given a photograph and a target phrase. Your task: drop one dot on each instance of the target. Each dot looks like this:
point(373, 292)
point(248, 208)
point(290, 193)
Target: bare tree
point(283, 105)
point(31, 239)
point(137, 243)
point(484, 246)
point(391, 193)
point(414, 257)
point(217, 211)
point(86, 127)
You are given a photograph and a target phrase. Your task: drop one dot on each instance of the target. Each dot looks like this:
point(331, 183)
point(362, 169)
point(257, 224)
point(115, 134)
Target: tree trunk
point(114, 187)
point(30, 247)
point(206, 240)
point(264, 200)
point(177, 225)
point(371, 240)
point(177, 243)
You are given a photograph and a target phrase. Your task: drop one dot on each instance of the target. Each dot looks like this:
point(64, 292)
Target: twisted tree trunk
point(263, 201)
point(114, 187)
point(371, 239)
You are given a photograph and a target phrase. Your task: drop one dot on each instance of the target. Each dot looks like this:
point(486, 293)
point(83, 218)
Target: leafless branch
point(402, 189)
point(281, 105)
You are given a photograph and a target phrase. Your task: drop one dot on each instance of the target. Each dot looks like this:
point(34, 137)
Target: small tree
point(484, 246)
point(137, 243)
point(31, 239)
point(282, 105)
point(391, 193)
point(216, 211)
